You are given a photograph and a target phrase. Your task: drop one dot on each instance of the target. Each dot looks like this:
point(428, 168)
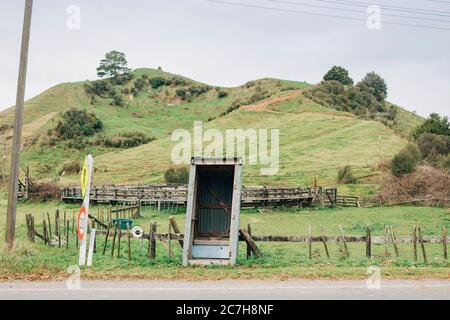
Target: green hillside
point(315, 141)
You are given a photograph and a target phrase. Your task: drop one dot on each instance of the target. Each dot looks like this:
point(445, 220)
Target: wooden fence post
point(114, 240)
point(310, 242)
point(444, 242)
point(424, 253)
point(324, 241)
point(394, 241)
point(386, 241)
point(415, 243)
point(129, 241)
point(347, 254)
point(169, 241)
point(152, 241)
point(368, 242)
point(119, 240)
point(176, 229)
point(249, 250)
point(49, 226)
point(44, 231)
point(67, 234)
point(106, 239)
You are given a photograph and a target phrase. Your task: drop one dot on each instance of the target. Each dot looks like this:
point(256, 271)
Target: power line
point(389, 7)
point(356, 11)
point(325, 15)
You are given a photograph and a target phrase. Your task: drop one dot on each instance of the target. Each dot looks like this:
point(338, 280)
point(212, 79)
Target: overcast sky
point(229, 45)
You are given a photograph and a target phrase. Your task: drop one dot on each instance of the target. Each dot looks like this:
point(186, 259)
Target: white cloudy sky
point(228, 45)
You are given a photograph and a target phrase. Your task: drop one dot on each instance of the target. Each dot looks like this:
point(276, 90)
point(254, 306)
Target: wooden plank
point(114, 240)
point(250, 241)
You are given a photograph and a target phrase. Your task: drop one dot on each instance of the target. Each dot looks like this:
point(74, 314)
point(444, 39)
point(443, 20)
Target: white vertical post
point(90, 168)
point(91, 248)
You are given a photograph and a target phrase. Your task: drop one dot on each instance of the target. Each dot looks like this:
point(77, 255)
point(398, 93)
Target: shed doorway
point(212, 220)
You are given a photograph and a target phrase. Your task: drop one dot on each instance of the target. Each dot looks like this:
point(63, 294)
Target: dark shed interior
point(214, 197)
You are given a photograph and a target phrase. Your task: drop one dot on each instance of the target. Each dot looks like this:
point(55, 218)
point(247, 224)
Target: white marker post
point(87, 187)
point(91, 248)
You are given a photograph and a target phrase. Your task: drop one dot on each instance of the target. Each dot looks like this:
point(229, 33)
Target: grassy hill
point(315, 141)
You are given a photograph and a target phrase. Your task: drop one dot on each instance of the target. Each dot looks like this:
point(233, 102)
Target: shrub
point(179, 81)
point(157, 82)
point(140, 84)
point(182, 93)
point(118, 101)
point(78, 124)
point(222, 94)
point(377, 83)
point(338, 74)
point(99, 88)
point(406, 161)
point(70, 168)
point(44, 192)
point(125, 140)
point(178, 175)
point(198, 91)
point(345, 176)
point(432, 145)
point(435, 124)
point(425, 183)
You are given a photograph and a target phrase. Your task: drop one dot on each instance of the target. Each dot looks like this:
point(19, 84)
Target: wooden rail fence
point(176, 196)
point(61, 232)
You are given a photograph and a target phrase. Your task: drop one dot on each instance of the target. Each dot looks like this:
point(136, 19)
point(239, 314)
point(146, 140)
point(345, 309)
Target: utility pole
point(17, 134)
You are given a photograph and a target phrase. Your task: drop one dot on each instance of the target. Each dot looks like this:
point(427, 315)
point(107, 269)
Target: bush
point(157, 82)
point(222, 94)
point(140, 84)
point(406, 161)
point(44, 192)
point(179, 81)
point(198, 91)
point(78, 124)
point(432, 145)
point(425, 183)
point(338, 74)
point(377, 83)
point(70, 168)
point(118, 101)
point(435, 124)
point(345, 176)
point(99, 88)
point(177, 175)
point(182, 93)
point(125, 140)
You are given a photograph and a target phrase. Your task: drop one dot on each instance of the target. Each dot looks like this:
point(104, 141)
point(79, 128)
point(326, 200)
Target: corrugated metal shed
point(212, 220)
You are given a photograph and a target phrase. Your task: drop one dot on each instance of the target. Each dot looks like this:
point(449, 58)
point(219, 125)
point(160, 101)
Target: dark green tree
point(377, 83)
point(338, 74)
point(113, 65)
point(435, 124)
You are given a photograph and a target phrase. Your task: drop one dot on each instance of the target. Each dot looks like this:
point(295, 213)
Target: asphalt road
point(225, 290)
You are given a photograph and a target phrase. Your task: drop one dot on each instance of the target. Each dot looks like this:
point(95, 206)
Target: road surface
point(225, 290)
